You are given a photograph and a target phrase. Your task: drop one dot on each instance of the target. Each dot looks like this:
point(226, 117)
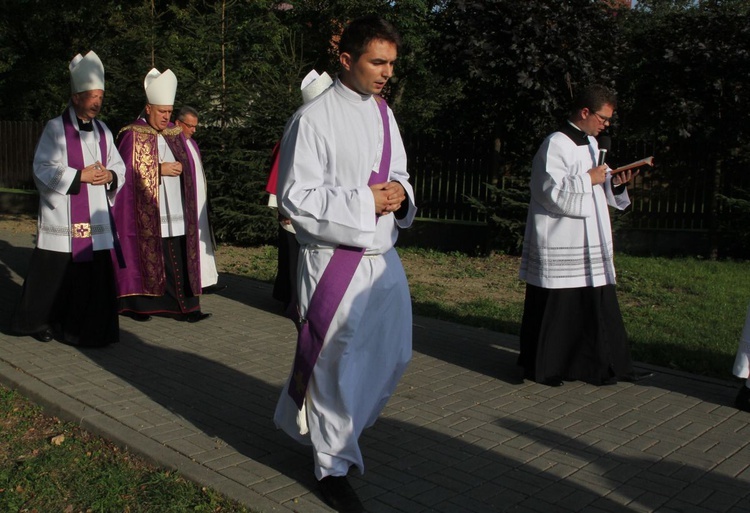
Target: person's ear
point(346, 61)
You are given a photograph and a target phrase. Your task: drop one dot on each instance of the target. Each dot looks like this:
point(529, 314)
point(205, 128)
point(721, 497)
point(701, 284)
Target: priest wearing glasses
point(572, 328)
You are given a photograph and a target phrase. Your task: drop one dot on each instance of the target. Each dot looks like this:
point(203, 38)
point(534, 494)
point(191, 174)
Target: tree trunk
point(713, 230)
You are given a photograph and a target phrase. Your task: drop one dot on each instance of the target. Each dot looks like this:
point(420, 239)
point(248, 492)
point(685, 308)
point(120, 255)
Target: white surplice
point(568, 240)
point(329, 149)
point(54, 177)
point(741, 367)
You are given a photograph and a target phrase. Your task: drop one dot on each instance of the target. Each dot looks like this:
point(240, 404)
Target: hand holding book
point(648, 161)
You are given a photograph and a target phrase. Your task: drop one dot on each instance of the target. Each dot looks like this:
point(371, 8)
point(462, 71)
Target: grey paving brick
point(454, 438)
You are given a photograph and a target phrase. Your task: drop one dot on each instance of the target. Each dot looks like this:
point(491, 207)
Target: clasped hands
point(170, 168)
point(599, 175)
point(388, 197)
point(96, 174)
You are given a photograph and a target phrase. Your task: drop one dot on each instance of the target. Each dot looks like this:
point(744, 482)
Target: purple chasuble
point(137, 212)
point(80, 215)
point(330, 291)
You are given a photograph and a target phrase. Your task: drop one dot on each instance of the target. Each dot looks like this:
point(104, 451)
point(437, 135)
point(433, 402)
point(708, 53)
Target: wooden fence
point(17, 144)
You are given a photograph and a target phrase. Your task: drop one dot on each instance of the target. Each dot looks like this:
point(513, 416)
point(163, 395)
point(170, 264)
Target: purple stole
point(178, 144)
point(80, 216)
point(330, 291)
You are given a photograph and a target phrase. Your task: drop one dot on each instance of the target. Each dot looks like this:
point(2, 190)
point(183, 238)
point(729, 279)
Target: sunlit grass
point(683, 313)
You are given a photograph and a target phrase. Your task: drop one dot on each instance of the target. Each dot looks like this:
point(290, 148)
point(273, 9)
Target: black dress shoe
point(742, 402)
point(553, 381)
point(195, 316)
point(213, 289)
point(608, 381)
point(140, 317)
point(339, 494)
point(44, 335)
point(636, 376)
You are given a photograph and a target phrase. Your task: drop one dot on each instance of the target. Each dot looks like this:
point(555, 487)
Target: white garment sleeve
point(619, 201)
point(558, 185)
point(311, 196)
point(52, 175)
point(398, 171)
point(115, 164)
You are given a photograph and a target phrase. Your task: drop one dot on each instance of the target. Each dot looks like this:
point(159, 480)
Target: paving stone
point(456, 437)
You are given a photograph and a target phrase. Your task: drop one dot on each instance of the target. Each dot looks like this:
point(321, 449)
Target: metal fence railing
point(679, 193)
point(17, 143)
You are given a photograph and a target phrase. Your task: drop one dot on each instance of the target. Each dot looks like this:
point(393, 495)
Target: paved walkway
point(461, 434)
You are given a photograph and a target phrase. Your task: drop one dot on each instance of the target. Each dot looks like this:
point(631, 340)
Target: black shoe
point(213, 289)
point(636, 376)
point(195, 316)
point(140, 317)
point(742, 402)
point(44, 335)
point(339, 494)
point(609, 381)
point(553, 381)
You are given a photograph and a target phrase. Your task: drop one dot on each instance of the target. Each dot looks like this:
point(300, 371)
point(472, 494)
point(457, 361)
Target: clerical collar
point(85, 126)
point(350, 94)
point(575, 134)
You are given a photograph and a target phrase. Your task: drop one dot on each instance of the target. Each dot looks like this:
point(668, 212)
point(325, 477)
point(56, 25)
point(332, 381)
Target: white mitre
point(86, 73)
point(160, 87)
point(314, 84)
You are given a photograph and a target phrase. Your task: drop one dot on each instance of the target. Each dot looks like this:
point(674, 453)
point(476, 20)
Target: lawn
point(51, 466)
point(684, 314)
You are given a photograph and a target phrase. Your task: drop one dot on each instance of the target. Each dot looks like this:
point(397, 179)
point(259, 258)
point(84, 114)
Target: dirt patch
point(451, 278)
point(457, 278)
point(18, 223)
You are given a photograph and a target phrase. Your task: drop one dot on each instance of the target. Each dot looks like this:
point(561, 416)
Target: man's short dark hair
point(186, 110)
point(360, 32)
point(594, 97)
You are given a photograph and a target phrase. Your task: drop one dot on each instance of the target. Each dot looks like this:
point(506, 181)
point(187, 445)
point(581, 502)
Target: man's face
point(188, 123)
point(369, 73)
point(593, 122)
point(87, 104)
point(158, 116)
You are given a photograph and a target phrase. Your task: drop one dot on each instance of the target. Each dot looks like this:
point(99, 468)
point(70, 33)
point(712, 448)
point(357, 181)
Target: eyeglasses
point(604, 119)
point(189, 125)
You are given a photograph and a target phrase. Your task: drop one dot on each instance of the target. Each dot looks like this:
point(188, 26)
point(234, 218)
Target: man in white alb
point(343, 183)
point(69, 292)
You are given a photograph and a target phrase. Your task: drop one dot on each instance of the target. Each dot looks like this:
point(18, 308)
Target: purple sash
point(331, 288)
point(80, 216)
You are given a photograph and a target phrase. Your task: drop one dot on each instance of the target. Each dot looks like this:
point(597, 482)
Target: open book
point(648, 161)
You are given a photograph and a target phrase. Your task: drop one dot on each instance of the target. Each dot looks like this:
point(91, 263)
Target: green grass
point(51, 466)
point(682, 313)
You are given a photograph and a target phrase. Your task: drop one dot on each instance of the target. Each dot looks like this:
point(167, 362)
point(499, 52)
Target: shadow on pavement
point(450, 439)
